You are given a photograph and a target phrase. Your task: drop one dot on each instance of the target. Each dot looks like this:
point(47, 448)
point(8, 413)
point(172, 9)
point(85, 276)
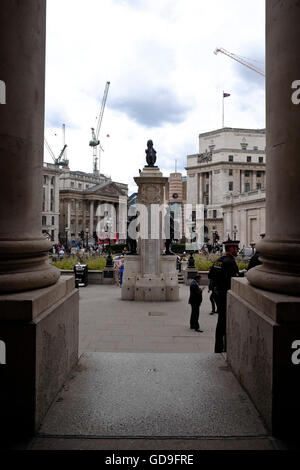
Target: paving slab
point(152, 395)
point(141, 326)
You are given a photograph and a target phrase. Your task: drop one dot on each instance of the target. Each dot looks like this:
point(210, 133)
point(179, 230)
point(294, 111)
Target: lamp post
point(235, 231)
point(67, 230)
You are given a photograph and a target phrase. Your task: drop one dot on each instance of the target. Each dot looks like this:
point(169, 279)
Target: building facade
point(230, 163)
point(75, 205)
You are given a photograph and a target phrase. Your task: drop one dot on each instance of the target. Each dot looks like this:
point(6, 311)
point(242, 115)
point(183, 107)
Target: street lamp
point(67, 230)
point(235, 231)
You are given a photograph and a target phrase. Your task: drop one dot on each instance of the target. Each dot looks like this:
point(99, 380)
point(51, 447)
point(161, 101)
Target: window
point(261, 159)
point(247, 187)
point(79, 185)
point(255, 147)
point(44, 200)
point(230, 158)
point(258, 174)
point(205, 213)
point(206, 175)
point(207, 188)
point(214, 214)
point(244, 146)
point(248, 159)
point(44, 220)
point(258, 186)
point(72, 184)
point(230, 172)
point(206, 201)
point(247, 174)
point(45, 179)
point(52, 221)
point(52, 180)
point(194, 216)
point(87, 186)
point(230, 186)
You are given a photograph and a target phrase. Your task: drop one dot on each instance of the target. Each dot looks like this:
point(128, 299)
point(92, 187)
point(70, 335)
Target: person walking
point(121, 270)
point(195, 301)
point(221, 273)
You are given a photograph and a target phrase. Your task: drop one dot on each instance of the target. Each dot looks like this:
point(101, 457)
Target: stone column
point(23, 250)
point(280, 271)
point(91, 218)
point(76, 218)
point(210, 188)
point(200, 199)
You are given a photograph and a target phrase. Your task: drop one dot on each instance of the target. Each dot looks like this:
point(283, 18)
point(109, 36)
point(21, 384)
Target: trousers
point(220, 340)
point(194, 320)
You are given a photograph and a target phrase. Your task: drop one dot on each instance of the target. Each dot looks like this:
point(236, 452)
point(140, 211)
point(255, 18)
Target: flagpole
point(223, 112)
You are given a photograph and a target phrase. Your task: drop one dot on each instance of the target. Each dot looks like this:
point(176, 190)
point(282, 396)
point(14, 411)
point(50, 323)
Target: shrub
point(94, 263)
point(178, 247)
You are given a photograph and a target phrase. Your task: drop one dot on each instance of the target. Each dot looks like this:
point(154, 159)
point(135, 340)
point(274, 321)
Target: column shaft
point(280, 271)
point(23, 251)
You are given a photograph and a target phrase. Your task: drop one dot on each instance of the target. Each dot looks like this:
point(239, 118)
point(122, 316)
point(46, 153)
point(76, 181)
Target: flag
point(225, 95)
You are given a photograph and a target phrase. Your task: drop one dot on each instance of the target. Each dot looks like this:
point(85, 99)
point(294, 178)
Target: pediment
point(109, 189)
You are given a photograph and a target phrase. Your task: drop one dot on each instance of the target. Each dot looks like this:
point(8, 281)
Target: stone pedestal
point(39, 339)
point(189, 275)
point(109, 275)
point(150, 276)
point(263, 337)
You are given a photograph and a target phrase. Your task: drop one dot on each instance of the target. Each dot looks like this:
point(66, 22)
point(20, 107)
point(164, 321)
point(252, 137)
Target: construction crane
point(59, 161)
point(95, 142)
point(240, 60)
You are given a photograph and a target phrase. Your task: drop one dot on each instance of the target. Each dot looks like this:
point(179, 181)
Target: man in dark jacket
point(195, 302)
point(221, 273)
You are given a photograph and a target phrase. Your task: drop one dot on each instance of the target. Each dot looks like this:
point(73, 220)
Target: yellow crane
point(240, 60)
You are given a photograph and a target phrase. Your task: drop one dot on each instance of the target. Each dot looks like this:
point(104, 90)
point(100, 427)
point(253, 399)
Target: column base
point(262, 330)
point(24, 265)
point(39, 347)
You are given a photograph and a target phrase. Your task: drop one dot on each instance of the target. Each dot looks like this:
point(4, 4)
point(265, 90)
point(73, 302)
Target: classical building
point(50, 208)
point(231, 162)
point(245, 216)
point(74, 202)
point(175, 196)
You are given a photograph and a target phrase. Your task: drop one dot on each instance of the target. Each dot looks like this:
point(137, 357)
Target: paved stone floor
point(108, 323)
point(146, 381)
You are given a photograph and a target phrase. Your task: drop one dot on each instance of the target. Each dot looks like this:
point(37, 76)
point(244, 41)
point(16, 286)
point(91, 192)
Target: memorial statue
point(150, 154)
point(169, 223)
point(109, 260)
point(191, 262)
point(131, 242)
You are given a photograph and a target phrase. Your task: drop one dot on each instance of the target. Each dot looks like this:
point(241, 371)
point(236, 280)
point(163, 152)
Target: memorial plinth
point(150, 276)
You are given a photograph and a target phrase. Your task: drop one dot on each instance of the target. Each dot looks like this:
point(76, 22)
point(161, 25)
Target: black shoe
point(198, 330)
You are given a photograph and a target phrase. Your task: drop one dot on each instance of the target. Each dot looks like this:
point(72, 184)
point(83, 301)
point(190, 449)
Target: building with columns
point(230, 163)
point(244, 216)
point(50, 208)
point(72, 203)
point(84, 202)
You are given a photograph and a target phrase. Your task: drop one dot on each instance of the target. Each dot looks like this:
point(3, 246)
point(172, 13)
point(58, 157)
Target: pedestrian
point(255, 261)
point(212, 297)
point(221, 273)
point(121, 270)
point(195, 301)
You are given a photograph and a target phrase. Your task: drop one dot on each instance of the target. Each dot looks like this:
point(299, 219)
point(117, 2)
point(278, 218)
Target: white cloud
point(166, 83)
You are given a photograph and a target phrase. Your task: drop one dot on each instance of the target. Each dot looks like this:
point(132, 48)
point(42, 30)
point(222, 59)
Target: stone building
point(85, 200)
point(245, 216)
point(50, 208)
point(72, 200)
point(230, 162)
point(175, 196)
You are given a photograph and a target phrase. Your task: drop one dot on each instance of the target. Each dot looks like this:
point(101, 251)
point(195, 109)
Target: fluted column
point(23, 250)
point(280, 271)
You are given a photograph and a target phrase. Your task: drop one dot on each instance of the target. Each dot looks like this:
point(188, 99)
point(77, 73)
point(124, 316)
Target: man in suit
point(195, 302)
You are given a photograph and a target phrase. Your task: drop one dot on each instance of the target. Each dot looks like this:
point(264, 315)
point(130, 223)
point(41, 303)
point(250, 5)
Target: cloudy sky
point(165, 81)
